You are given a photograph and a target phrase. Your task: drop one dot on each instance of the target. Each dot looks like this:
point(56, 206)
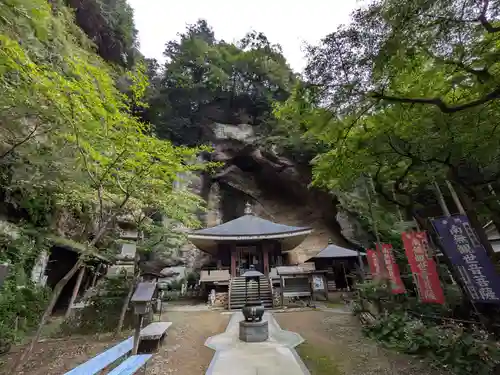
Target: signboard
point(373, 263)
point(462, 246)
point(397, 286)
point(423, 267)
point(318, 283)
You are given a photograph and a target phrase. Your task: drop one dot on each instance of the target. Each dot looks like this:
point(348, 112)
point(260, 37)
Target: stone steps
point(237, 293)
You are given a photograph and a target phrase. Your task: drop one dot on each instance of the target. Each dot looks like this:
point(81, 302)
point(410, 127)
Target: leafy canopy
point(67, 129)
point(406, 93)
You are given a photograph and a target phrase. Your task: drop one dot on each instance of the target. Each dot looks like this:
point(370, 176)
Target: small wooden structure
point(152, 336)
point(300, 282)
point(235, 246)
point(337, 262)
point(245, 241)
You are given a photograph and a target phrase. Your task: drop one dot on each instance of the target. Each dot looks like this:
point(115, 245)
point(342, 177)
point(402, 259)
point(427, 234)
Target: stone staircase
point(237, 292)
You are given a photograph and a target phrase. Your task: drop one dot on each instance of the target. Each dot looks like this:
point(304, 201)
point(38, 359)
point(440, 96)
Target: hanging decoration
point(423, 267)
point(461, 245)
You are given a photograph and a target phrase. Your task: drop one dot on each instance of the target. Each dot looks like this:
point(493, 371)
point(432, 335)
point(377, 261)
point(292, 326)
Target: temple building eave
point(210, 243)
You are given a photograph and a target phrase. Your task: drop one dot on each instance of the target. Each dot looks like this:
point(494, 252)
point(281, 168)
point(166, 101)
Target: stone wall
point(277, 297)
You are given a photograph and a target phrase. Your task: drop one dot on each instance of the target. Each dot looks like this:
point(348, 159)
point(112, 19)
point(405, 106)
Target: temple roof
point(249, 228)
point(334, 251)
point(249, 225)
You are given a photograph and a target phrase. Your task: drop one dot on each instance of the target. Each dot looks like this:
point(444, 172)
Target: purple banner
point(462, 246)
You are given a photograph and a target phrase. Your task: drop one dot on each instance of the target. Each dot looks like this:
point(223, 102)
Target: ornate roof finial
point(248, 208)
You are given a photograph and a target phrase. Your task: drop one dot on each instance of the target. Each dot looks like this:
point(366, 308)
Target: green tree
point(206, 80)
point(69, 132)
point(407, 94)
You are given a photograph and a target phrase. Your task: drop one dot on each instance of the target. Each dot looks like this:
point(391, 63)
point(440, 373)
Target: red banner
point(397, 286)
point(423, 267)
point(373, 263)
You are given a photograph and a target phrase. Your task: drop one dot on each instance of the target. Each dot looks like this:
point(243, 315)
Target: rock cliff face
point(277, 189)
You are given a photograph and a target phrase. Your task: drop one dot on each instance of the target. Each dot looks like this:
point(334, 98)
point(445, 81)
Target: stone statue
point(211, 297)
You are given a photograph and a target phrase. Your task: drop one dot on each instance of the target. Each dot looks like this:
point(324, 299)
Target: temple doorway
point(247, 256)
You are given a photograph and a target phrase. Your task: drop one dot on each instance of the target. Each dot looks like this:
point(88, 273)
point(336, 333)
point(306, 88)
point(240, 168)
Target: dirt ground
point(335, 346)
point(183, 352)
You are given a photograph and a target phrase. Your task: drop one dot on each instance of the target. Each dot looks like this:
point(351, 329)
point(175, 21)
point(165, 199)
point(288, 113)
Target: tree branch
point(20, 143)
point(484, 21)
point(380, 189)
point(438, 102)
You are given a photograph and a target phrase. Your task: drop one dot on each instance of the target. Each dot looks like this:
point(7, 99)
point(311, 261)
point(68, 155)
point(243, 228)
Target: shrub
point(103, 310)
point(452, 346)
point(21, 302)
point(20, 310)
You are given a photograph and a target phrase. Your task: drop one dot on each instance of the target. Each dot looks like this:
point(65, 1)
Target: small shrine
point(235, 247)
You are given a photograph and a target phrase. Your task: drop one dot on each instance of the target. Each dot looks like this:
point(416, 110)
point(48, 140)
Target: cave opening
point(246, 163)
point(232, 203)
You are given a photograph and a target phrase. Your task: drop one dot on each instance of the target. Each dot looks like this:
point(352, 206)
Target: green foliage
point(207, 80)
point(103, 310)
point(69, 134)
point(318, 360)
point(110, 24)
point(192, 278)
point(393, 94)
point(20, 310)
point(452, 347)
point(69, 137)
point(176, 284)
point(21, 302)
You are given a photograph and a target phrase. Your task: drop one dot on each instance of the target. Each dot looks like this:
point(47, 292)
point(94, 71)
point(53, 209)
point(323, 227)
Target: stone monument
point(253, 328)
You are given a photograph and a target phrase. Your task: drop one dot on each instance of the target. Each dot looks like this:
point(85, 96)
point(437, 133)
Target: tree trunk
point(137, 258)
point(126, 301)
point(470, 209)
point(75, 292)
point(57, 292)
point(48, 310)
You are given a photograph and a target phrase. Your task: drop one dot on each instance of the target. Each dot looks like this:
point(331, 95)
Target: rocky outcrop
point(278, 189)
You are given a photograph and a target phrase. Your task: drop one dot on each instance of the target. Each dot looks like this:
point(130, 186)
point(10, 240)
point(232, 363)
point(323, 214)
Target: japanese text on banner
point(423, 267)
point(462, 246)
point(373, 263)
point(397, 286)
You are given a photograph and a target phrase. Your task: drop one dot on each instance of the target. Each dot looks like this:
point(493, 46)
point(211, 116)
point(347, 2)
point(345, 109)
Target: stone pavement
point(275, 356)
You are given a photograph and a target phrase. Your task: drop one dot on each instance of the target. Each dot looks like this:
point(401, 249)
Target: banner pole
point(378, 247)
point(440, 197)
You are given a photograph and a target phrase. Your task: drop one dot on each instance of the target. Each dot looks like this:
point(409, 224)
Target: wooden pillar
point(95, 274)
point(325, 284)
point(232, 249)
point(265, 258)
point(79, 279)
point(282, 287)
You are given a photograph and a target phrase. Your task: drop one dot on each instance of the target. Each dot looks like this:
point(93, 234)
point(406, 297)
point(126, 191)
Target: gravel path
point(338, 337)
point(183, 352)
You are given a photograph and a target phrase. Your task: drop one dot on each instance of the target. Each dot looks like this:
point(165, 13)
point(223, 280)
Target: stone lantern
point(252, 327)
point(253, 308)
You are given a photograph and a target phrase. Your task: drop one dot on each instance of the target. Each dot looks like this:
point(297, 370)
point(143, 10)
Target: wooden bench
point(152, 336)
point(105, 359)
